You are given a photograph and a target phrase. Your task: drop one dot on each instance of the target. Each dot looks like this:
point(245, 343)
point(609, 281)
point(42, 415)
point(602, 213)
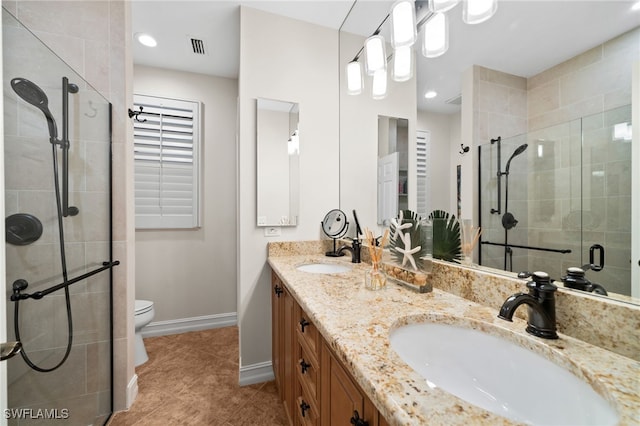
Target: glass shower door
point(57, 194)
point(568, 194)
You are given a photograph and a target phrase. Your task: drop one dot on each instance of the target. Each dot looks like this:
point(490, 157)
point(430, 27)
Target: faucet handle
point(542, 282)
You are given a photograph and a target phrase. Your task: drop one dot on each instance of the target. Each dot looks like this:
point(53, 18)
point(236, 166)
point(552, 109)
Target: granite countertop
point(356, 323)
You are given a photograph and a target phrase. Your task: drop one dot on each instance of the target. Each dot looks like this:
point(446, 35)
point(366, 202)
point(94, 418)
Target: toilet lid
point(143, 306)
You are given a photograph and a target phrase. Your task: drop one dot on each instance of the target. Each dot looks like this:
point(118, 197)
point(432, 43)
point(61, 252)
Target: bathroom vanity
point(334, 364)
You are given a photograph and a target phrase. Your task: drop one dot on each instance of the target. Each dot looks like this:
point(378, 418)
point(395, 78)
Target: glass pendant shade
point(477, 11)
point(354, 78)
point(436, 6)
point(403, 63)
point(436, 36)
point(379, 86)
point(375, 56)
point(403, 24)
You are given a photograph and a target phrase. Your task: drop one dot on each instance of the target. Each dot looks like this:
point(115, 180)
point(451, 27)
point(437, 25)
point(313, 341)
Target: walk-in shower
point(58, 236)
point(565, 192)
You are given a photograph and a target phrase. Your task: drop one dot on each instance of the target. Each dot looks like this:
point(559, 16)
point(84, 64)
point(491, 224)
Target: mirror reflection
point(563, 203)
point(562, 124)
point(393, 167)
point(278, 151)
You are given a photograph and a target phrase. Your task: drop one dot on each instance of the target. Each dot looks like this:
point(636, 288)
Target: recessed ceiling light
point(146, 40)
point(636, 6)
point(430, 94)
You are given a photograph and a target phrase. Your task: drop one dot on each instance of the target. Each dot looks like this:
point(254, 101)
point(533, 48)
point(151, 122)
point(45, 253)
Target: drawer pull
point(303, 324)
point(304, 407)
point(357, 421)
point(278, 290)
point(304, 366)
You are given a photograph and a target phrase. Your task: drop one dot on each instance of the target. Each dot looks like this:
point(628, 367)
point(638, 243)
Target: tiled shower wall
point(93, 37)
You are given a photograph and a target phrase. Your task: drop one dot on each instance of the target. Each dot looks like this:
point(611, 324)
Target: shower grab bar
point(564, 251)
point(21, 284)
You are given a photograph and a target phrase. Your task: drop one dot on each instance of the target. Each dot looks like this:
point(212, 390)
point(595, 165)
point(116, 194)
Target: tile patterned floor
point(192, 379)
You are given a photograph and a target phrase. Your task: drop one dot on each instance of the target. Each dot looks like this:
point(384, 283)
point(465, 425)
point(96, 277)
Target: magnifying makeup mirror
point(335, 226)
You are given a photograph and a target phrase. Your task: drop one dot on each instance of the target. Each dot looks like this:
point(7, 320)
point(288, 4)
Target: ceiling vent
point(456, 100)
point(197, 46)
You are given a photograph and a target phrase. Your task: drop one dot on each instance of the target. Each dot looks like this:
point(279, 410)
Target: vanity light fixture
point(379, 86)
point(403, 24)
point(402, 63)
point(404, 32)
point(436, 36)
point(478, 11)
point(375, 56)
point(354, 78)
point(436, 6)
point(146, 39)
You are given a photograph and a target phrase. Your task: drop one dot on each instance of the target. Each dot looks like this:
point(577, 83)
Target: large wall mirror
point(278, 168)
point(482, 106)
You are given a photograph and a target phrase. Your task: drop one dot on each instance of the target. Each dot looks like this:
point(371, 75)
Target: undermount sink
point(499, 376)
point(324, 268)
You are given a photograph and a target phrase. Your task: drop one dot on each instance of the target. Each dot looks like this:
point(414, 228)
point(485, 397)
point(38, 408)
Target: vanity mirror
point(509, 98)
point(278, 148)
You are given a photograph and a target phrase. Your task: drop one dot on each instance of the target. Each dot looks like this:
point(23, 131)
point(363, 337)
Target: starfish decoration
point(407, 251)
point(399, 226)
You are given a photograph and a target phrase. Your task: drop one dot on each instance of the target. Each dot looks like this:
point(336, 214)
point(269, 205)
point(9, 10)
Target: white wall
point(289, 60)
point(191, 273)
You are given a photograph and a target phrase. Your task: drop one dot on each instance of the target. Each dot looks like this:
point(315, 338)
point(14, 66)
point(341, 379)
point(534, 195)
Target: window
point(166, 153)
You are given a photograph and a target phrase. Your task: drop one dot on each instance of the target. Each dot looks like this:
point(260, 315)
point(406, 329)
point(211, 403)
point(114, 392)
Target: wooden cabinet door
point(341, 398)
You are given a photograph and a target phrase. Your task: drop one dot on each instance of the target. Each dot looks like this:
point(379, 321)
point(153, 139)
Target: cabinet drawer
point(308, 373)
point(308, 414)
point(307, 332)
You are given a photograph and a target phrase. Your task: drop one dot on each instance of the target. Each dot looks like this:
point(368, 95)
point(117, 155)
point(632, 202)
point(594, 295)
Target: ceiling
point(523, 38)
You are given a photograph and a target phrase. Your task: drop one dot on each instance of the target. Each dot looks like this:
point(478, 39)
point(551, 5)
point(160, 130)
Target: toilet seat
point(143, 306)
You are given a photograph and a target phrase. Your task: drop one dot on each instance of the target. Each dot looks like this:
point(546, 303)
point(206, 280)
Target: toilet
point(143, 316)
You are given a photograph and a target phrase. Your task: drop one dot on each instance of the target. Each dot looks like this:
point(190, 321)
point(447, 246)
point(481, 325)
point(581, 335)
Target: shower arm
point(21, 284)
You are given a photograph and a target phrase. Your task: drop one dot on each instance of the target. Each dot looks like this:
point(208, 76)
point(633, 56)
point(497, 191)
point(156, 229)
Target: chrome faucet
point(541, 305)
point(354, 250)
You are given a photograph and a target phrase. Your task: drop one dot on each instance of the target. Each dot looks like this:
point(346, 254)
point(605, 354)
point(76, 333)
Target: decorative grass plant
point(446, 236)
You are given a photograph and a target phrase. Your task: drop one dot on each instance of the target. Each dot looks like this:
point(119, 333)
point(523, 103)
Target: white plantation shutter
point(166, 155)
point(423, 142)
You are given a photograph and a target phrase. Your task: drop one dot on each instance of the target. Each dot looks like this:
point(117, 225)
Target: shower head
point(30, 92)
point(519, 150)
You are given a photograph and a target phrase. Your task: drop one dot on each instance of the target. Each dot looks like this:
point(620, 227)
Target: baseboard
point(132, 390)
point(183, 325)
point(256, 373)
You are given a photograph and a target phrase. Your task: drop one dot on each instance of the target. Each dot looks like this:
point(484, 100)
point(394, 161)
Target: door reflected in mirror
point(277, 162)
point(393, 166)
